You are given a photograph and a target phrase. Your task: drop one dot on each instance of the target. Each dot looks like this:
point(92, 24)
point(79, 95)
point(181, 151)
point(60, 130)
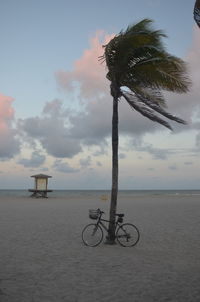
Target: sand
point(42, 257)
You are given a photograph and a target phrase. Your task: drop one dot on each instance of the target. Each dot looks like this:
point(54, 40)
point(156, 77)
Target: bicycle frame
point(99, 221)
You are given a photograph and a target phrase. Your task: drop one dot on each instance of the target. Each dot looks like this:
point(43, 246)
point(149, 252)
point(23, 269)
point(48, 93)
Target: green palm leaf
point(197, 12)
point(137, 59)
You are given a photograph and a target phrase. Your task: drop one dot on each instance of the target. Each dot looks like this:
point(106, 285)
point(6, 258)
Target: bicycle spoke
point(127, 235)
point(92, 235)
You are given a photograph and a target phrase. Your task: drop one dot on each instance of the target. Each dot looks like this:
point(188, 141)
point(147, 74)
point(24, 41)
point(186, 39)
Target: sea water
point(106, 193)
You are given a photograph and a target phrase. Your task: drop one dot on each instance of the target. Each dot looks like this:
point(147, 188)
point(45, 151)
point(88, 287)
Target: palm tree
point(197, 12)
point(138, 69)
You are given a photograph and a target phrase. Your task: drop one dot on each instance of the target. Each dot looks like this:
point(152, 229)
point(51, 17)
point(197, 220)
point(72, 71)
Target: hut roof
point(41, 176)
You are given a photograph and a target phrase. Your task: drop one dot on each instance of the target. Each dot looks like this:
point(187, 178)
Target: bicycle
point(126, 234)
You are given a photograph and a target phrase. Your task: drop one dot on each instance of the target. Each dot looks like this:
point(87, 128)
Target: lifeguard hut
point(41, 186)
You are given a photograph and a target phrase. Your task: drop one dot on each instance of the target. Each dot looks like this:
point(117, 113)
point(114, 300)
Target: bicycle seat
point(120, 215)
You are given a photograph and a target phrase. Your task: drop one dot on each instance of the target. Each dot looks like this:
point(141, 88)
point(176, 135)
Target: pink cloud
point(194, 55)
point(9, 145)
point(88, 72)
point(6, 110)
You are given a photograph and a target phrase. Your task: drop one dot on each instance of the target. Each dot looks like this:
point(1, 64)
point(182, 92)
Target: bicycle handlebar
point(101, 212)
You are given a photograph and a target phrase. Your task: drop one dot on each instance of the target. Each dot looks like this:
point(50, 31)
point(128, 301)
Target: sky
point(55, 103)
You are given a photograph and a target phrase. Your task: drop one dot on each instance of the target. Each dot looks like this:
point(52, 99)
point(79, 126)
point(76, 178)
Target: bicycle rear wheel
point(127, 235)
point(92, 235)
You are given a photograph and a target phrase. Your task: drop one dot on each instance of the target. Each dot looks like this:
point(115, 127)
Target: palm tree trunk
point(114, 192)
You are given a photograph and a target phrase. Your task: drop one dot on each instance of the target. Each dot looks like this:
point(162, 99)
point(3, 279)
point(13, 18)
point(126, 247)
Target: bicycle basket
point(93, 214)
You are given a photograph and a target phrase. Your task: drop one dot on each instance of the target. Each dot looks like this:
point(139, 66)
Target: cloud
point(55, 108)
point(157, 153)
point(173, 167)
point(151, 169)
point(187, 105)
point(85, 162)
point(64, 167)
point(35, 161)
point(193, 105)
point(93, 124)
point(99, 164)
point(51, 129)
point(188, 163)
point(193, 58)
point(122, 155)
point(87, 71)
point(10, 145)
point(64, 133)
point(90, 76)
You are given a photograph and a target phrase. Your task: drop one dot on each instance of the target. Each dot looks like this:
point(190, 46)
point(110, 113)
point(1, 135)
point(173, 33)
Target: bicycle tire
point(127, 235)
point(92, 235)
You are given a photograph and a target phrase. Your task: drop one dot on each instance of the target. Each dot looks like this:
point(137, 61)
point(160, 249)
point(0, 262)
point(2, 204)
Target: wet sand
point(42, 257)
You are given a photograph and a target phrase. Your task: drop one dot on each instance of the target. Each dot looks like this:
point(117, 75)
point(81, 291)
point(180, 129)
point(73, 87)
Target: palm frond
point(149, 101)
point(197, 12)
point(144, 110)
point(136, 58)
point(120, 51)
point(145, 23)
point(153, 95)
point(129, 55)
point(144, 26)
point(168, 73)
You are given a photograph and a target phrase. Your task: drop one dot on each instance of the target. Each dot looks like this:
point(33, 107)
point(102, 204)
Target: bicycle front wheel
point(92, 235)
point(127, 235)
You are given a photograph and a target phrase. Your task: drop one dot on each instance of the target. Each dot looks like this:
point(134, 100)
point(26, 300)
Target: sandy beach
point(43, 259)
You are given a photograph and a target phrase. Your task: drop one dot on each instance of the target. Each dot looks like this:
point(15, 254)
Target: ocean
point(106, 193)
